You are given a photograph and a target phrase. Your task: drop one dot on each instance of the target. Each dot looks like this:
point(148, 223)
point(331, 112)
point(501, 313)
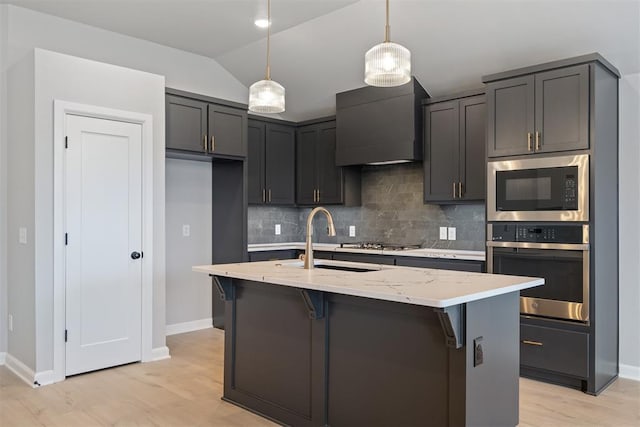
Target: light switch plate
point(22, 235)
point(443, 233)
point(186, 230)
point(452, 233)
point(278, 229)
point(352, 231)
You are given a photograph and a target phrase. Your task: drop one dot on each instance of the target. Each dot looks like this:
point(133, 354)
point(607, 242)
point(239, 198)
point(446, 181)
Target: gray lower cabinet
point(539, 112)
point(197, 125)
point(454, 167)
point(556, 350)
point(441, 264)
point(370, 258)
point(273, 255)
point(271, 163)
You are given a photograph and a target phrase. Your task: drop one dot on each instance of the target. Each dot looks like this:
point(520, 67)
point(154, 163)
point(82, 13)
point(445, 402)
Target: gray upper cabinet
point(454, 160)
point(318, 179)
point(199, 125)
point(541, 112)
point(227, 131)
point(186, 124)
point(271, 163)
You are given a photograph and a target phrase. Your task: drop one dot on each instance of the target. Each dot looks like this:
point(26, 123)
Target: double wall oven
point(538, 213)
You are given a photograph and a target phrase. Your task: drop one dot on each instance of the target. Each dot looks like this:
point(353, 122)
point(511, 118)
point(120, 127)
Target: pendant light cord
point(387, 29)
point(268, 40)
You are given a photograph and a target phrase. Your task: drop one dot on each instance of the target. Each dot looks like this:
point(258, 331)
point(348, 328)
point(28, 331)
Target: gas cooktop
point(379, 246)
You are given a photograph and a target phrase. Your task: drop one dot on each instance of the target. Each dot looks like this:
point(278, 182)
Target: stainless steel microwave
point(539, 189)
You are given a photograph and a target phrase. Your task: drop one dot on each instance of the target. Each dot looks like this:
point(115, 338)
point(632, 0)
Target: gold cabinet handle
point(537, 141)
point(318, 192)
point(460, 190)
point(529, 342)
point(454, 190)
point(204, 142)
point(269, 195)
point(528, 141)
point(315, 196)
point(264, 195)
point(213, 143)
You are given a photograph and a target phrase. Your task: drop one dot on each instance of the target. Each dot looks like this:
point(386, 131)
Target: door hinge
point(66, 238)
point(65, 335)
point(66, 142)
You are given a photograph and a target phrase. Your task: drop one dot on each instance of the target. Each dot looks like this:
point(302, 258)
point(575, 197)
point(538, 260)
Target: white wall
point(629, 189)
point(188, 195)
point(25, 30)
point(3, 180)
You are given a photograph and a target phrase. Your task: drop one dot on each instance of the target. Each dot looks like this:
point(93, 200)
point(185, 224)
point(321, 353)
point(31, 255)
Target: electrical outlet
point(186, 230)
point(452, 233)
point(278, 229)
point(10, 323)
point(443, 233)
point(478, 353)
point(352, 231)
point(22, 235)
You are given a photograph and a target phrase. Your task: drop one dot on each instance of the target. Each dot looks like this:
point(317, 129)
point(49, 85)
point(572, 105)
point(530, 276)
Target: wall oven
point(557, 253)
point(539, 189)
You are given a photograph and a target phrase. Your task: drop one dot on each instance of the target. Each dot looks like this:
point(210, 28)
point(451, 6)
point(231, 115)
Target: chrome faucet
point(331, 231)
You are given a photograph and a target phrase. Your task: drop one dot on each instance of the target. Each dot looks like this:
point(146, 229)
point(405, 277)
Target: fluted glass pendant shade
point(266, 96)
point(387, 64)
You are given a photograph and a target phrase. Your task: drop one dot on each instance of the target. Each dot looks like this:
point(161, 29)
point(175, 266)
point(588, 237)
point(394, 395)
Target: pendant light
point(387, 64)
point(267, 96)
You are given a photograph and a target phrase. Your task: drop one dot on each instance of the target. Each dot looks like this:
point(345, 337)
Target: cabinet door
point(510, 116)
point(306, 185)
point(280, 164)
point(255, 162)
point(473, 164)
point(562, 109)
point(227, 131)
point(186, 127)
point(329, 176)
point(441, 151)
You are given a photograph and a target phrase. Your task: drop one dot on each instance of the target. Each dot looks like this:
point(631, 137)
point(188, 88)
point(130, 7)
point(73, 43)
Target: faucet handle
point(301, 257)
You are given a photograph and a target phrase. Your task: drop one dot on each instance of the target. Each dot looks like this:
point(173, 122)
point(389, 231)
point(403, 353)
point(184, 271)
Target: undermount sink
point(336, 265)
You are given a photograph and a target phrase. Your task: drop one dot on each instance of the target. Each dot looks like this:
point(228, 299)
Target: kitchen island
point(349, 344)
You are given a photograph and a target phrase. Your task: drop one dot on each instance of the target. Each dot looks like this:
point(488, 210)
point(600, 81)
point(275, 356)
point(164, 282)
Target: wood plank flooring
point(186, 391)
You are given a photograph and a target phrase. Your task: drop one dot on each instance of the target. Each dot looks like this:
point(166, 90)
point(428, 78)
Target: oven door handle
point(535, 245)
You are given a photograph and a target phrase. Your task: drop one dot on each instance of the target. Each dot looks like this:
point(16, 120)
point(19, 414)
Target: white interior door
point(103, 222)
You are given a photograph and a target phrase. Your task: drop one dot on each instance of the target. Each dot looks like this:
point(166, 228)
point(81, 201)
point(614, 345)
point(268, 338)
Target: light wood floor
point(186, 390)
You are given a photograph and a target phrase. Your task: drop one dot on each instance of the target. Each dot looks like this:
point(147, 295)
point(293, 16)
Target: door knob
point(135, 255)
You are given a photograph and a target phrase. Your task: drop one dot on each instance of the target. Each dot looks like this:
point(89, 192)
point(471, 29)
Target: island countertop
point(419, 286)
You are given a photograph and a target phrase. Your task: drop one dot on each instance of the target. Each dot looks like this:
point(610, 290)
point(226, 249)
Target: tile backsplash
point(392, 211)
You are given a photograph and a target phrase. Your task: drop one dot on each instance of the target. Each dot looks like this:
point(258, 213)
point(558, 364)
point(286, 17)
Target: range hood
point(379, 125)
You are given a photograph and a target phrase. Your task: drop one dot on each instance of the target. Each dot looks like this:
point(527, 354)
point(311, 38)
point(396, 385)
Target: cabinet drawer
point(272, 255)
point(370, 258)
point(440, 263)
point(555, 350)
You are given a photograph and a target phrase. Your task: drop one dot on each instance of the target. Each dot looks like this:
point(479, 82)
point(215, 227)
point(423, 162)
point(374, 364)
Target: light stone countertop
point(419, 286)
point(332, 247)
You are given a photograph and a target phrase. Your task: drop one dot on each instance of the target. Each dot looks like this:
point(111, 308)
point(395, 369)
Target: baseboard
point(630, 372)
point(3, 358)
point(44, 378)
point(160, 353)
point(196, 325)
point(23, 372)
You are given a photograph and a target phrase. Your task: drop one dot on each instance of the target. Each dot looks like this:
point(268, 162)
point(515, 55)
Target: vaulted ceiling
point(318, 46)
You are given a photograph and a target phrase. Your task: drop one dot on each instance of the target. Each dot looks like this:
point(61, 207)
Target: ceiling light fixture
point(261, 23)
point(387, 64)
point(267, 96)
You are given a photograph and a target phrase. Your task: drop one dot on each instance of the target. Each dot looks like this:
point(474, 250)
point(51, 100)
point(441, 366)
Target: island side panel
point(492, 389)
point(274, 354)
point(388, 364)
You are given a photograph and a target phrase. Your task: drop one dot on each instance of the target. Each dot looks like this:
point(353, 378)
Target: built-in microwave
point(539, 189)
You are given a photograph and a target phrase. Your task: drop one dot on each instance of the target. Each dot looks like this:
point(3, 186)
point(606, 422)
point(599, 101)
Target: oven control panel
point(570, 192)
point(537, 233)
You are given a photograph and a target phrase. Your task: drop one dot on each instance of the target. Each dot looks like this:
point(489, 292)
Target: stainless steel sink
point(353, 267)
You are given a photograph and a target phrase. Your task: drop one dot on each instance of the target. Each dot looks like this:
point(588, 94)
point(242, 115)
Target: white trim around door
point(61, 110)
